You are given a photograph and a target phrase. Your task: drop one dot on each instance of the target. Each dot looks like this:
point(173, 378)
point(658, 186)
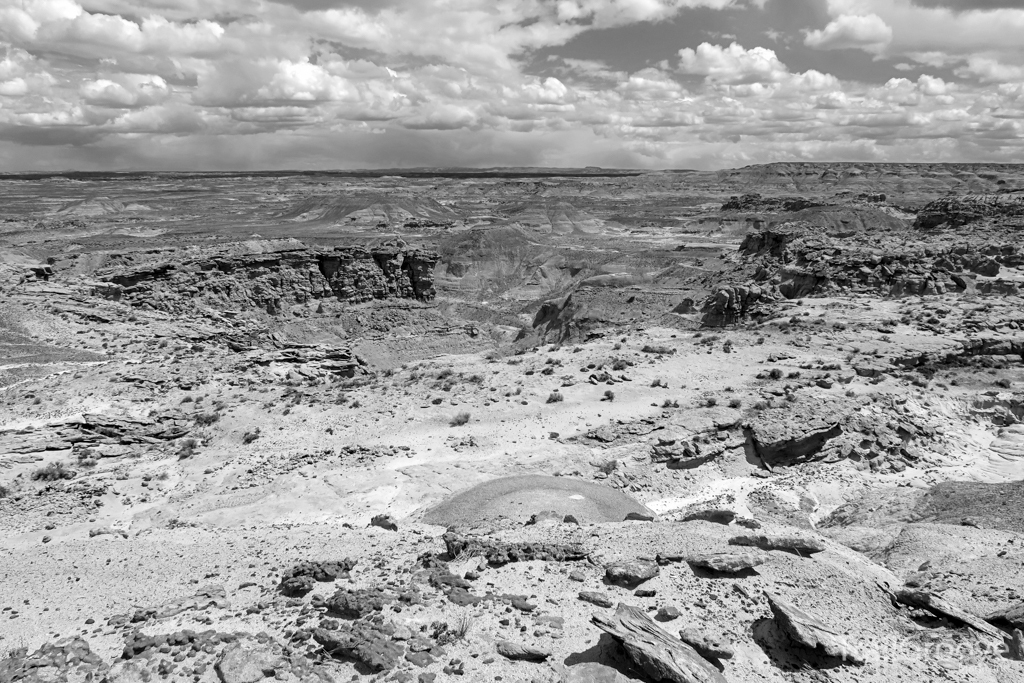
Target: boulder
point(808, 631)
point(363, 642)
point(706, 645)
point(795, 543)
point(727, 563)
point(593, 672)
point(944, 608)
point(661, 656)
point(631, 572)
point(248, 661)
point(384, 522)
point(596, 598)
point(521, 652)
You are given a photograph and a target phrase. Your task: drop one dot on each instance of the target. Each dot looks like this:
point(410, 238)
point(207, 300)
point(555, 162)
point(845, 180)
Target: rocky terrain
point(764, 424)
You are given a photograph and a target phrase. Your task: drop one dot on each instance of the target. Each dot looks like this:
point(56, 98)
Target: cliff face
point(953, 212)
point(273, 278)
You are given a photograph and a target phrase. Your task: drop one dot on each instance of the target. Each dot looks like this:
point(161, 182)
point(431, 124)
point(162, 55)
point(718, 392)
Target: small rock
point(595, 598)
point(668, 613)
point(384, 522)
point(521, 652)
point(631, 572)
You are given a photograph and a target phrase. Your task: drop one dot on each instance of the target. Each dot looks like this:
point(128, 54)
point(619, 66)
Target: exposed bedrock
point(278, 275)
point(799, 260)
point(953, 212)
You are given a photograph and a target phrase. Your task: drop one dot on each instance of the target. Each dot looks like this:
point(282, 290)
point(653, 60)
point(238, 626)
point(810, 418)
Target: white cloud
point(732, 64)
point(865, 32)
point(127, 91)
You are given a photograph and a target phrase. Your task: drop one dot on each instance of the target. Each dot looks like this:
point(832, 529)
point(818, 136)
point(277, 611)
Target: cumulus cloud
point(127, 91)
point(732, 64)
point(187, 83)
point(865, 32)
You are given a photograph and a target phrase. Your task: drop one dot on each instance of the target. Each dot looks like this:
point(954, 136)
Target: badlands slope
point(331, 427)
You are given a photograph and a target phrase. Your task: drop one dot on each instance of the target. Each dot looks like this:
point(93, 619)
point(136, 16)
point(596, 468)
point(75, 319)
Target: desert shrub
point(355, 403)
point(659, 350)
point(249, 437)
point(619, 364)
point(187, 399)
point(459, 420)
point(187, 449)
point(617, 346)
point(669, 403)
point(476, 379)
point(444, 633)
point(727, 346)
point(1004, 383)
point(659, 383)
point(735, 403)
point(609, 395)
point(206, 419)
point(555, 397)
point(794, 375)
point(4, 491)
point(791, 397)
point(608, 466)
point(775, 373)
point(711, 401)
point(55, 471)
point(762, 405)
point(444, 374)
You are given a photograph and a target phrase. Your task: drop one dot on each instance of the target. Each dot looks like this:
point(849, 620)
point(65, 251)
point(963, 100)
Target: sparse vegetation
point(459, 420)
point(187, 448)
point(735, 403)
point(609, 395)
point(249, 437)
point(659, 350)
point(555, 397)
point(775, 373)
point(55, 471)
point(206, 419)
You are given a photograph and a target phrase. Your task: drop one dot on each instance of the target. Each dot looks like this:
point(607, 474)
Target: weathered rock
point(661, 656)
point(359, 602)
point(716, 515)
point(498, 553)
point(1015, 645)
point(632, 572)
point(266, 274)
point(364, 642)
point(809, 631)
point(727, 563)
point(593, 672)
point(384, 522)
point(936, 605)
point(707, 646)
point(248, 661)
point(300, 579)
point(66, 659)
point(521, 652)
point(1011, 617)
point(798, 544)
point(596, 598)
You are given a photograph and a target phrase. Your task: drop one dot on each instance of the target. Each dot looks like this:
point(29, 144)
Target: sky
point(344, 84)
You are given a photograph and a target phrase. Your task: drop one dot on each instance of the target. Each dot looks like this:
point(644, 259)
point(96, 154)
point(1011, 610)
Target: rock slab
point(661, 656)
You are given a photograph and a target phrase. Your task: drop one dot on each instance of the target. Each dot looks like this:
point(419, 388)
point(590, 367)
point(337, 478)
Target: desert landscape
point(761, 424)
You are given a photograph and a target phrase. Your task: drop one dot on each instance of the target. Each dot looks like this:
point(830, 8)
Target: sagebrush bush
point(55, 471)
point(555, 397)
point(459, 420)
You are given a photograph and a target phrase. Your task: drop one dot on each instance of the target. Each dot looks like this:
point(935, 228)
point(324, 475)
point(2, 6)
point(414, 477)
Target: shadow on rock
point(787, 655)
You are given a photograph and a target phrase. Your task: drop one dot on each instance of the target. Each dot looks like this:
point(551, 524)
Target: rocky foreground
point(759, 425)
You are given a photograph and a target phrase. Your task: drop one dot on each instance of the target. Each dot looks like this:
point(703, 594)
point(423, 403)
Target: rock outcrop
point(959, 210)
point(269, 276)
point(808, 631)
